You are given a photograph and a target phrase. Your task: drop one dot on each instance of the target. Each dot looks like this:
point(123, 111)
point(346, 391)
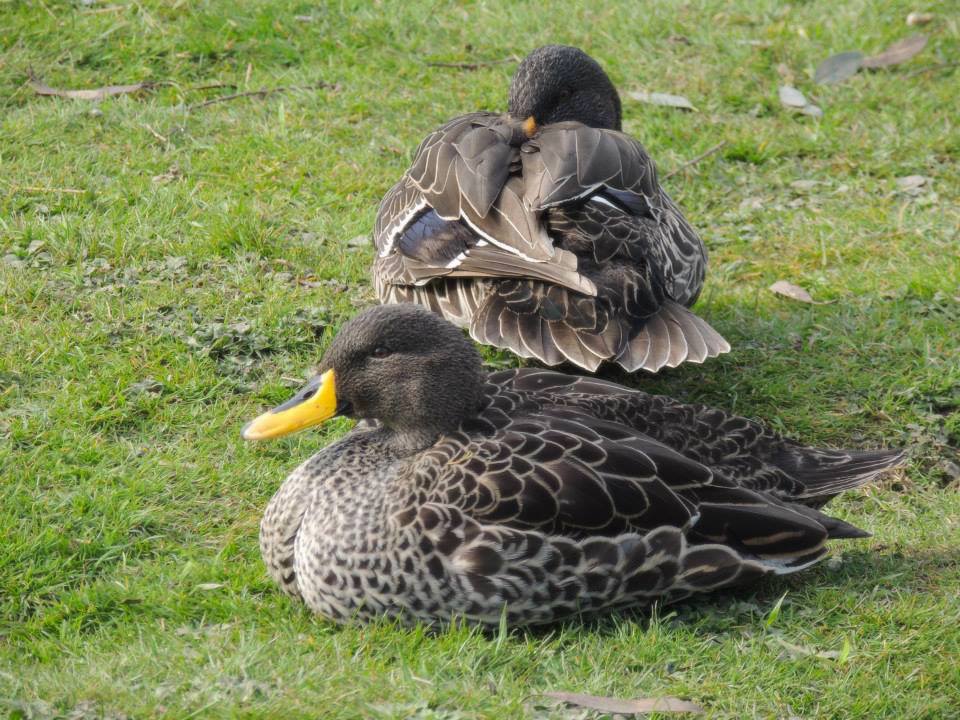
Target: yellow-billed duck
point(528, 493)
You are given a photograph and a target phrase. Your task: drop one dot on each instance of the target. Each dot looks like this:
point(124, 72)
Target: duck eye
point(380, 351)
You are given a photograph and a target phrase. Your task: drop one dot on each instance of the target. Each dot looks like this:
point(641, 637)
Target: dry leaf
point(791, 97)
point(795, 100)
point(97, 94)
point(655, 98)
point(838, 68)
point(627, 707)
point(897, 53)
point(804, 185)
point(209, 586)
point(919, 18)
point(794, 292)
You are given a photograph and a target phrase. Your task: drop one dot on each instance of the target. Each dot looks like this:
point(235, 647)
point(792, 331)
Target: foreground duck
point(545, 230)
point(528, 492)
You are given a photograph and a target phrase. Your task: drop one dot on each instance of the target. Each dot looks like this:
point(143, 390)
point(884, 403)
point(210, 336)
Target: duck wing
point(743, 451)
point(539, 511)
point(417, 244)
point(563, 470)
point(463, 169)
point(567, 162)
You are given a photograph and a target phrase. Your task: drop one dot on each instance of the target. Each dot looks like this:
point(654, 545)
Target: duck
point(545, 231)
point(528, 496)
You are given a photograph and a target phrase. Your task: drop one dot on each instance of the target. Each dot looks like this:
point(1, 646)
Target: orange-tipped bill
point(314, 403)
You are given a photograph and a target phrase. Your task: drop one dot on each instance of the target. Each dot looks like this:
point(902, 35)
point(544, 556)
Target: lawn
point(169, 268)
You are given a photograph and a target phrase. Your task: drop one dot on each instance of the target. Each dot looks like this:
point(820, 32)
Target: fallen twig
point(472, 65)
point(702, 156)
point(105, 9)
point(262, 93)
point(930, 68)
point(157, 135)
point(41, 88)
point(214, 86)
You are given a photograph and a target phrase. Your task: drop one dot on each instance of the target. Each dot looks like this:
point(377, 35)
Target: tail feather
point(669, 337)
point(555, 328)
point(826, 473)
point(836, 528)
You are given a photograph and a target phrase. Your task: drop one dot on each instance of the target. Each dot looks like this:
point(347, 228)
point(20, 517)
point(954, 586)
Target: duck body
point(545, 231)
point(558, 496)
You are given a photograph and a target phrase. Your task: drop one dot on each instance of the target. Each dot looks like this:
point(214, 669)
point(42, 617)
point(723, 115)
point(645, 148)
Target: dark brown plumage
point(559, 245)
point(533, 493)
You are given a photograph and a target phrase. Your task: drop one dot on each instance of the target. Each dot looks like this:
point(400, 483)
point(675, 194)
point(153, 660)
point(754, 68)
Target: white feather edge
point(401, 224)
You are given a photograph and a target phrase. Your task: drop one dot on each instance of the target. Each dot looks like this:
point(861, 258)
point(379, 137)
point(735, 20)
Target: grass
point(167, 272)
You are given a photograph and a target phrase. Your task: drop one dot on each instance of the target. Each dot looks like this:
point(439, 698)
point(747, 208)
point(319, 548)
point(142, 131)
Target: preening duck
point(545, 230)
point(529, 493)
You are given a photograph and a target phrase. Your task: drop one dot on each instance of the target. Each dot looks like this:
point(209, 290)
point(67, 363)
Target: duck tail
point(547, 322)
point(827, 473)
point(670, 336)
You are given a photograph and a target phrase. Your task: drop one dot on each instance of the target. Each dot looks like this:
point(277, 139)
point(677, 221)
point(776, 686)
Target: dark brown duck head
point(557, 82)
point(399, 364)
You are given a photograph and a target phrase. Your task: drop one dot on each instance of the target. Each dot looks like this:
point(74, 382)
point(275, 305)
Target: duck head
point(414, 372)
point(558, 82)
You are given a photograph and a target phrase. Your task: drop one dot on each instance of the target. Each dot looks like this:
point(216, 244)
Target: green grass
point(166, 273)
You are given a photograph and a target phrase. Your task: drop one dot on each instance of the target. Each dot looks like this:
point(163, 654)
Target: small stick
point(106, 9)
point(930, 68)
point(157, 135)
point(702, 156)
point(34, 188)
point(214, 86)
point(262, 93)
point(472, 65)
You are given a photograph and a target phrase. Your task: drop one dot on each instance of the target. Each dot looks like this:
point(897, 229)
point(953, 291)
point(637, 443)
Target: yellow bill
point(314, 403)
point(530, 126)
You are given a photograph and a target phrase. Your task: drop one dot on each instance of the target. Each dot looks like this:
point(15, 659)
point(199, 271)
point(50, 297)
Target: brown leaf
point(41, 88)
point(794, 292)
point(656, 98)
point(627, 707)
point(838, 68)
point(897, 53)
